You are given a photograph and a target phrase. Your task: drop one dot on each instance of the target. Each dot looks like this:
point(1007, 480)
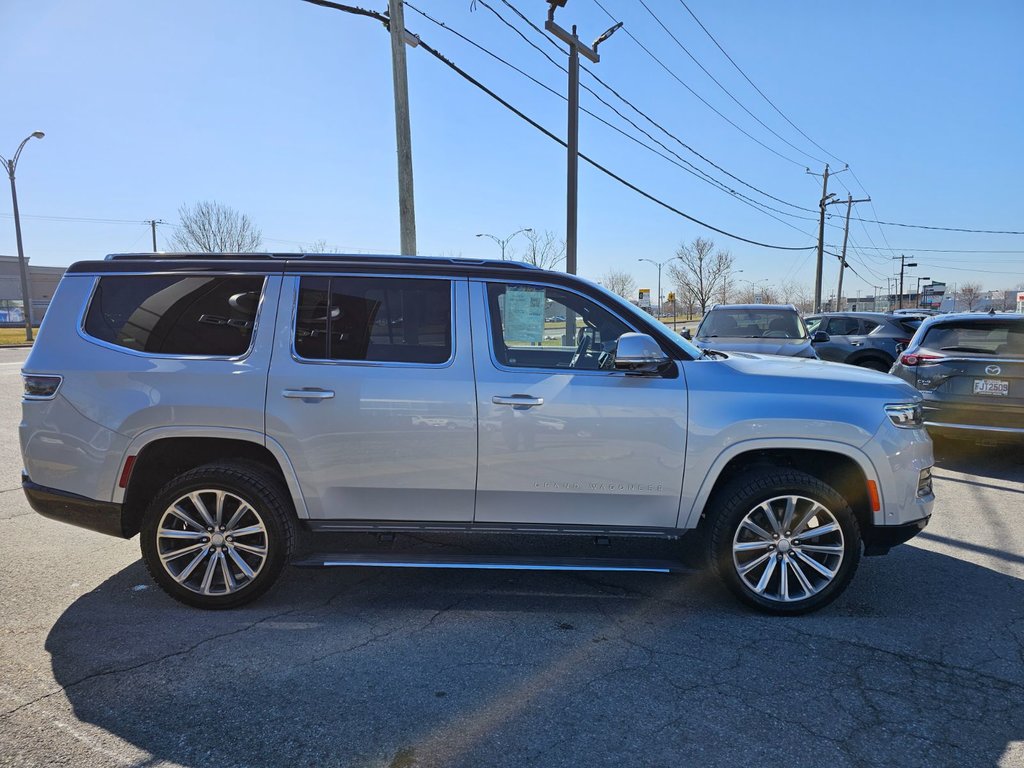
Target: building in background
point(42, 282)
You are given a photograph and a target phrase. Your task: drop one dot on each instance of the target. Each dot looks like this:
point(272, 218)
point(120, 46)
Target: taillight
point(912, 360)
point(40, 387)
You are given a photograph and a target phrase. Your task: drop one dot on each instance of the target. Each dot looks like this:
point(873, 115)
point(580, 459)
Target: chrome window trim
point(941, 360)
point(163, 355)
point(297, 280)
point(482, 283)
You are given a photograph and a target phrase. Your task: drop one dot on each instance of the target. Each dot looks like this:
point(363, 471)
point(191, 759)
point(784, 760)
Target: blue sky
point(283, 110)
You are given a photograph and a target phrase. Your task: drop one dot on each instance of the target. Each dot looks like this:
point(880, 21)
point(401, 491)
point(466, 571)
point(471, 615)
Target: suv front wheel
point(218, 535)
point(783, 541)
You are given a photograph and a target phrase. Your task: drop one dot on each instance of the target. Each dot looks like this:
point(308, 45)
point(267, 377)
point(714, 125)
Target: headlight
point(906, 415)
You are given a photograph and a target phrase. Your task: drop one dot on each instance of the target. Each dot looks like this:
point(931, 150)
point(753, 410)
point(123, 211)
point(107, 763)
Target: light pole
point(505, 242)
point(576, 47)
point(26, 299)
point(919, 288)
point(659, 265)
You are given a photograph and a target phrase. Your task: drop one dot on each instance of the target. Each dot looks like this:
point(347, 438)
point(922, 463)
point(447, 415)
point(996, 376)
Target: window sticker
point(524, 314)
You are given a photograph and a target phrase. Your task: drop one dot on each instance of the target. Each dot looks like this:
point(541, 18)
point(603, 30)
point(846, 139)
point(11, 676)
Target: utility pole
point(903, 265)
point(403, 137)
point(846, 234)
point(152, 225)
point(576, 47)
point(825, 201)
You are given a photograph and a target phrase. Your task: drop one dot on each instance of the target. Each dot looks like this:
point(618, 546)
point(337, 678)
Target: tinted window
point(989, 337)
point(842, 326)
point(752, 324)
point(544, 327)
point(380, 319)
point(176, 315)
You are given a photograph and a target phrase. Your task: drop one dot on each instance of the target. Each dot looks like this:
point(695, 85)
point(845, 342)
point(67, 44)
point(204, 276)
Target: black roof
point(294, 262)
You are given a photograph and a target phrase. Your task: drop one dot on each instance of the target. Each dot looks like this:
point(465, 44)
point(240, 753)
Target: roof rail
point(341, 257)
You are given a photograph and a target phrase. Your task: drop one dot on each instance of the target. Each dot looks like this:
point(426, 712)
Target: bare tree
point(620, 282)
point(317, 246)
point(794, 293)
point(700, 271)
point(209, 227)
point(543, 249)
point(969, 294)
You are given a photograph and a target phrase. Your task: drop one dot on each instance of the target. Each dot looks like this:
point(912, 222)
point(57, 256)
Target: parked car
point(970, 370)
point(218, 405)
point(869, 339)
point(767, 329)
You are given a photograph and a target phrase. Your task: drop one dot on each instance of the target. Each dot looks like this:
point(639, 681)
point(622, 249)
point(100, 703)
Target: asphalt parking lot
point(920, 663)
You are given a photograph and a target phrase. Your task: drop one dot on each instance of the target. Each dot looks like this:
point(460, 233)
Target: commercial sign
point(645, 298)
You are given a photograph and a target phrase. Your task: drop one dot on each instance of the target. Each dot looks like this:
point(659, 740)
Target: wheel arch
point(861, 356)
point(841, 466)
point(160, 454)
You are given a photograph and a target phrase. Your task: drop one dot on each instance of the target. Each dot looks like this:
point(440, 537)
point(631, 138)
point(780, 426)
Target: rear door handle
point(524, 401)
point(309, 394)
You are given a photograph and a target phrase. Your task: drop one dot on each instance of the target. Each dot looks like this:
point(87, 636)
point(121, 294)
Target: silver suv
point(220, 406)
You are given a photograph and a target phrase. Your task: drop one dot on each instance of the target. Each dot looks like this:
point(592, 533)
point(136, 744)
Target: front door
point(564, 438)
point(371, 395)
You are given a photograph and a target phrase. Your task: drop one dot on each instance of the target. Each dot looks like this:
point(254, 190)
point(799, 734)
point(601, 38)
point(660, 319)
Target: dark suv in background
point(970, 370)
point(869, 339)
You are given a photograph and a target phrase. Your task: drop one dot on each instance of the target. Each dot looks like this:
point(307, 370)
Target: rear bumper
point(995, 420)
point(100, 516)
point(879, 539)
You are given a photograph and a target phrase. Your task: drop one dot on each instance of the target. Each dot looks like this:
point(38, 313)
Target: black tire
point(269, 509)
point(745, 495)
point(874, 364)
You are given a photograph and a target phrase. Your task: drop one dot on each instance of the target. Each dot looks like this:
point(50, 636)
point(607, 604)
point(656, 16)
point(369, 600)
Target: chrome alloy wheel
point(788, 548)
point(212, 542)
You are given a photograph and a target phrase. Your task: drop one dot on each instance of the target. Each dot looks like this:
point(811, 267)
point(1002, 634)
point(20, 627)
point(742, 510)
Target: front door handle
point(523, 401)
point(309, 394)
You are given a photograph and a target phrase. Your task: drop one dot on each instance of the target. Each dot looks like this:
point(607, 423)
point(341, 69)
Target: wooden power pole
point(846, 234)
point(403, 137)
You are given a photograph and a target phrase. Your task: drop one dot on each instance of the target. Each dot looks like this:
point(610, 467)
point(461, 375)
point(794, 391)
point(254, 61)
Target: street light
point(505, 242)
point(26, 300)
point(919, 288)
point(659, 265)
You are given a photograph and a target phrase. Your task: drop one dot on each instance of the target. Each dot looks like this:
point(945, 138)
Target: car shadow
point(918, 663)
point(995, 462)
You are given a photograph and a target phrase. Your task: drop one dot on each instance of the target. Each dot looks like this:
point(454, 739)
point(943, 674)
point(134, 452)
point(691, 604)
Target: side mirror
point(820, 337)
point(638, 353)
point(686, 334)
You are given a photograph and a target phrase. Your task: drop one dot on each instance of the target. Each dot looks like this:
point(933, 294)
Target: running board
point(490, 562)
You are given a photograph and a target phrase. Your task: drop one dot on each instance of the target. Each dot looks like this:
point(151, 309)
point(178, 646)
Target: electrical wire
point(763, 96)
point(723, 88)
point(700, 98)
point(628, 103)
point(679, 162)
point(590, 161)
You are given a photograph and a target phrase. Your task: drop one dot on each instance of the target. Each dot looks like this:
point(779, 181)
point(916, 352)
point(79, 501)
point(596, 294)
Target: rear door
point(371, 394)
point(564, 438)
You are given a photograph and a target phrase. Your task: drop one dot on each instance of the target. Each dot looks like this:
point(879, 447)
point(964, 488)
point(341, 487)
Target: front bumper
point(879, 539)
point(100, 516)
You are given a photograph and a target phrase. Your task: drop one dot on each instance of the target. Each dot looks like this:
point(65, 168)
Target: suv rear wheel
point(783, 541)
point(219, 535)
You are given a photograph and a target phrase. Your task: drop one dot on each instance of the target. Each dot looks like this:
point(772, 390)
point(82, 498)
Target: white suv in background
point(220, 405)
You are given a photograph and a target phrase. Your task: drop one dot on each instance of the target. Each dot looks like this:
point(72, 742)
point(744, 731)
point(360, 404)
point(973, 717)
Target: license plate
point(991, 387)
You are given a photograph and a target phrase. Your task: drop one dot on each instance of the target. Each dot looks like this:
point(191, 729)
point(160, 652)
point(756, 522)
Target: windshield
point(1004, 338)
point(752, 324)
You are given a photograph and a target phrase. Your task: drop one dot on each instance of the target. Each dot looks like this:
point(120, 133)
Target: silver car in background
point(763, 329)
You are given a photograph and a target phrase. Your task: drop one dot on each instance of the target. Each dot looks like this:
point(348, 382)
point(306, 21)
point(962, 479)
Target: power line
point(943, 229)
point(636, 109)
point(724, 89)
point(469, 78)
point(76, 219)
point(704, 101)
point(763, 96)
